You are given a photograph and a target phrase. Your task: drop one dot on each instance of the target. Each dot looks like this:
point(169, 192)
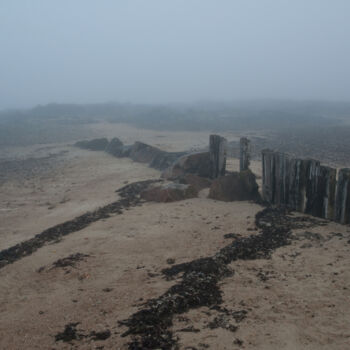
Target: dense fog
point(160, 51)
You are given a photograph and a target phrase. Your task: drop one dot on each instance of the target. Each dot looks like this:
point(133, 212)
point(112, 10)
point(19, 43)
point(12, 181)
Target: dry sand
point(298, 299)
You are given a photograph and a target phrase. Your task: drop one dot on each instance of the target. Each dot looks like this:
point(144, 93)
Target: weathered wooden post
point(268, 175)
point(320, 190)
point(282, 165)
point(217, 151)
point(342, 200)
point(297, 184)
point(312, 206)
point(327, 186)
point(244, 153)
point(305, 186)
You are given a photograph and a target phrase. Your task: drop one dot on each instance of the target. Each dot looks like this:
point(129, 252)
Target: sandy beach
point(297, 299)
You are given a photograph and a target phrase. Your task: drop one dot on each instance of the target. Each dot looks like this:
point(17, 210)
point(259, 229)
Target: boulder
point(169, 192)
point(93, 145)
point(143, 153)
point(164, 160)
point(195, 163)
point(115, 148)
point(158, 159)
point(235, 187)
point(198, 182)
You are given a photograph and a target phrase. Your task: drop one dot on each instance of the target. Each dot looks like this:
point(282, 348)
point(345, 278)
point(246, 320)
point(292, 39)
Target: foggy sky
point(158, 51)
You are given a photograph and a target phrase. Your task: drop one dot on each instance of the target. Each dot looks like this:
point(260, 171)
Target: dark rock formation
point(217, 152)
point(195, 163)
point(143, 153)
point(156, 158)
point(170, 192)
point(235, 187)
point(139, 152)
point(198, 182)
point(115, 148)
point(164, 160)
point(244, 154)
point(93, 145)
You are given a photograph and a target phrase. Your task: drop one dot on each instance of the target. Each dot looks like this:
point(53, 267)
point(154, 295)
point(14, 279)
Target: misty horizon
point(163, 53)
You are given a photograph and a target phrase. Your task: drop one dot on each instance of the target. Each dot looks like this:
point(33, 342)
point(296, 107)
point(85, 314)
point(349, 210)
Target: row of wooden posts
point(306, 186)
point(303, 185)
point(218, 150)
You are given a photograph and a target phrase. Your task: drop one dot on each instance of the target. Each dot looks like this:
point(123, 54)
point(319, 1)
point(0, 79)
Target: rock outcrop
point(115, 148)
point(143, 153)
point(235, 187)
point(139, 152)
point(169, 192)
point(164, 160)
point(198, 182)
point(156, 158)
point(195, 163)
point(93, 145)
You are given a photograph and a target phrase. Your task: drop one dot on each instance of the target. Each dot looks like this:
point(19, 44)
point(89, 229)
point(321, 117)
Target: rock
point(93, 145)
point(198, 182)
point(195, 163)
point(235, 187)
point(158, 159)
point(143, 153)
point(126, 151)
point(115, 148)
point(164, 160)
point(169, 192)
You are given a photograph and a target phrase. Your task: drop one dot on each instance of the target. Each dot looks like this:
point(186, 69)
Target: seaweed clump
point(198, 287)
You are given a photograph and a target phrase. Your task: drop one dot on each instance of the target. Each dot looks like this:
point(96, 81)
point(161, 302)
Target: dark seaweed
point(70, 261)
point(129, 197)
point(71, 333)
point(198, 287)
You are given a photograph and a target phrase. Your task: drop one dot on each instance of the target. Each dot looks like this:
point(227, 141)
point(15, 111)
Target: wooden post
point(305, 186)
point(297, 184)
point(282, 165)
point(313, 205)
point(268, 176)
point(327, 185)
point(342, 201)
point(217, 151)
point(244, 154)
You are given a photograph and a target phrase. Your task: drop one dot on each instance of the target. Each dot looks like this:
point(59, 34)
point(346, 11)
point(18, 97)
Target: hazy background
point(159, 51)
